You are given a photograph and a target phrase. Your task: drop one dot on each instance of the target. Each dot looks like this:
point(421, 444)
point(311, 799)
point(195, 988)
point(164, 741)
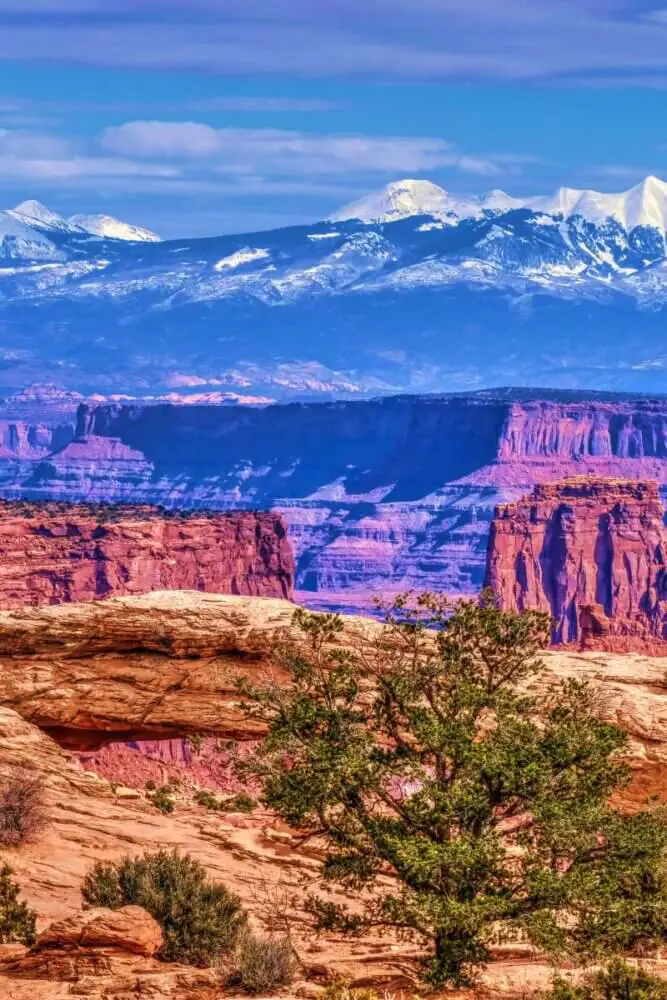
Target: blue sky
point(207, 116)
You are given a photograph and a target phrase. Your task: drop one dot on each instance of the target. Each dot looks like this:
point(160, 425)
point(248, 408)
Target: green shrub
point(150, 785)
point(162, 799)
point(240, 803)
point(21, 809)
point(17, 920)
point(265, 963)
point(209, 801)
point(618, 982)
point(200, 920)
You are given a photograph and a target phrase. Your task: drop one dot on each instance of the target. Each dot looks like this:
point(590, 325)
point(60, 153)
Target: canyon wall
point(590, 552)
point(379, 495)
point(52, 553)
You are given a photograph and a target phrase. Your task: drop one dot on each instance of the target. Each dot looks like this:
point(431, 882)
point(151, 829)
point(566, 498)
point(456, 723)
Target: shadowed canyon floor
point(164, 663)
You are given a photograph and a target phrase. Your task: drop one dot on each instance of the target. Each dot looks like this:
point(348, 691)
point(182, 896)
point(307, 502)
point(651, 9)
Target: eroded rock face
point(139, 668)
point(52, 553)
point(590, 552)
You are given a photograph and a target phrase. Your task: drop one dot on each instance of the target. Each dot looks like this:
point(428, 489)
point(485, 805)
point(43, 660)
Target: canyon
point(73, 674)
point(589, 552)
point(378, 495)
point(52, 553)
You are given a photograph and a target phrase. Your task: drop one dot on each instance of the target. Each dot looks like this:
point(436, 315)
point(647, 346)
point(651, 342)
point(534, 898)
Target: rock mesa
point(590, 552)
point(53, 553)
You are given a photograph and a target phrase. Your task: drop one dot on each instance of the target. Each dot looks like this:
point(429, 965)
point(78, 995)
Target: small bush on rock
point(17, 920)
point(265, 963)
point(240, 803)
point(162, 799)
point(21, 809)
point(618, 982)
point(200, 920)
point(209, 801)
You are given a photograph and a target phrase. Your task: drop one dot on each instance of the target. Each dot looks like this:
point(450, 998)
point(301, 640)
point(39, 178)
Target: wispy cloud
point(288, 152)
point(380, 39)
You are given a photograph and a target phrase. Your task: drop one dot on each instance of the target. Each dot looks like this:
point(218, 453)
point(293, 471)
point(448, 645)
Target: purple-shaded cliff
point(378, 495)
point(591, 553)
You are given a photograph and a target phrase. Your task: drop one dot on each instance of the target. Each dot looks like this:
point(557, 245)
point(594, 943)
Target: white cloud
point(288, 152)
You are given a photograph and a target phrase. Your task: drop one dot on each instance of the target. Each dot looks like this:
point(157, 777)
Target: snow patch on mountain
point(244, 256)
point(110, 228)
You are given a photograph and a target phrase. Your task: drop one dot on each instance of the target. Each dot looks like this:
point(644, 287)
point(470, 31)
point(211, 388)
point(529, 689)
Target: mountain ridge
point(519, 297)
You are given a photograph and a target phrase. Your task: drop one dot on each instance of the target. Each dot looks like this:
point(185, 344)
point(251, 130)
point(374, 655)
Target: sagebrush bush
point(21, 808)
point(618, 982)
point(200, 920)
point(17, 920)
point(265, 963)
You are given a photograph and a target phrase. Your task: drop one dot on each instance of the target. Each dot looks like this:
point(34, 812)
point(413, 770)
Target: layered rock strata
point(378, 495)
point(53, 553)
point(590, 552)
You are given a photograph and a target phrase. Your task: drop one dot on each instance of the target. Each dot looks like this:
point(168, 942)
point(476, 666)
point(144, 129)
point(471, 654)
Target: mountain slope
point(420, 303)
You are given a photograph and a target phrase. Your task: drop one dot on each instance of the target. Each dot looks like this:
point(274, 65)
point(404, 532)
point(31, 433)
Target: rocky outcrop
point(52, 553)
point(138, 668)
point(592, 553)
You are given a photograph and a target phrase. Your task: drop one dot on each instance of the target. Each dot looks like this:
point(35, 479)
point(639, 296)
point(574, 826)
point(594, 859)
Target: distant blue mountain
point(346, 307)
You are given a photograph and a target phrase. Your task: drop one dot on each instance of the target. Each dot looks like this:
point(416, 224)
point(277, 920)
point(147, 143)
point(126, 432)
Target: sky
point(197, 117)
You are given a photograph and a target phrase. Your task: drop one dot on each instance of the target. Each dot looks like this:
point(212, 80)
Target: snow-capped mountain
point(642, 205)
point(110, 228)
point(40, 225)
point(440, 294)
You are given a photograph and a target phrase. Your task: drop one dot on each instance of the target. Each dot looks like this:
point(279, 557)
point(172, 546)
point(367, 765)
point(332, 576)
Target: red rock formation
point(56, 553)
point(590, 552)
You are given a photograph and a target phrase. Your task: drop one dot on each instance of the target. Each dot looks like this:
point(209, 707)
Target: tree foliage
point(456, 807)
point(17, 920)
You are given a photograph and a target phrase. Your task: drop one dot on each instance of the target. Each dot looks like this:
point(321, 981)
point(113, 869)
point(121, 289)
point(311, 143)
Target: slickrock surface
point(87, 656)
point(165, 665)
point(138, 668)
point(590, 552)
point(52, 553)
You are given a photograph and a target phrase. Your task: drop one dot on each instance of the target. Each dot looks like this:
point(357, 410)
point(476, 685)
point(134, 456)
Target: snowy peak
point(400, 200)
point(37, 216)
point(642, 205)
point(110, 228)
point(33, 213)
point(403, 199)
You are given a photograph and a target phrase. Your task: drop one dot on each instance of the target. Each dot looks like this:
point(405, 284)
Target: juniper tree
point(455, 806)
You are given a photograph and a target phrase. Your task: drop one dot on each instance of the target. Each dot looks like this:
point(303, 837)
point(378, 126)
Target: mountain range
point(409, 289)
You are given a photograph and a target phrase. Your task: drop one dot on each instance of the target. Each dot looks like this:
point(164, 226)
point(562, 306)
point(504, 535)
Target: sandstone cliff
point(590, 552)
point(52, 553)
